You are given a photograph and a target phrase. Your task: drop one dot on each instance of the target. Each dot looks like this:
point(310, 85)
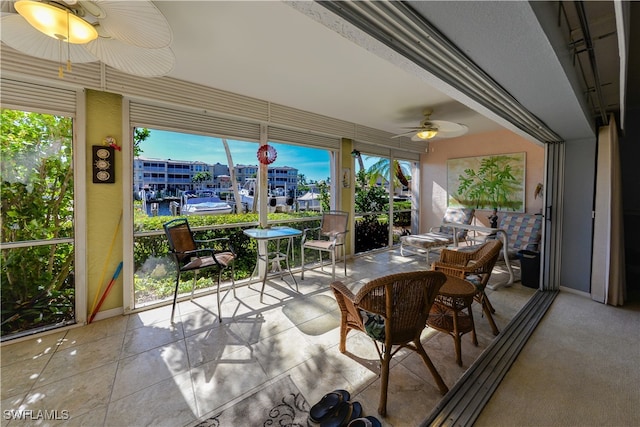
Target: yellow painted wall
point(347, 194)
point(104, 202)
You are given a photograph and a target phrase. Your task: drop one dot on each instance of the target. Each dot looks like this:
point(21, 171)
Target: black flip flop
point(346, 412)
point(368, 421)
point(328, 405)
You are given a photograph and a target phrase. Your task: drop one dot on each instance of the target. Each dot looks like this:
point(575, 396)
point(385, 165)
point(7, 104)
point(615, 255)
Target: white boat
point(209, 205)
point(277, 200)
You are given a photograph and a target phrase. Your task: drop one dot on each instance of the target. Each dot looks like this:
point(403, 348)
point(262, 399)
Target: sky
point(311, 162)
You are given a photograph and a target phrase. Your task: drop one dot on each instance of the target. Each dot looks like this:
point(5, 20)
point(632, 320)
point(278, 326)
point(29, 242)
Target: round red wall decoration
point(266, 154)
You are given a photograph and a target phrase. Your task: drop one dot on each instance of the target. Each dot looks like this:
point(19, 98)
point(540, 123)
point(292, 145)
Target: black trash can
point(529, 268)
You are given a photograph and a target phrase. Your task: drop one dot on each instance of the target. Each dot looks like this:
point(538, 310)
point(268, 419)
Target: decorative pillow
point(460, 216)
point(475, 280)
point(373, 324)
point(523, 230)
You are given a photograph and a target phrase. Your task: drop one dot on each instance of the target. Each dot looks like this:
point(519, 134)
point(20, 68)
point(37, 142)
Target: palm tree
point(232, 176)
point(358, 156)
point(201, 177)
point(381, 169)
point(302, 183)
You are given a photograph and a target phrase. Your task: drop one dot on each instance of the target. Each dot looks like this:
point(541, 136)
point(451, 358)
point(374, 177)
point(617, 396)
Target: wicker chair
point(476, 267)
point(393, 311)
point(190, 256)
point(328, 238)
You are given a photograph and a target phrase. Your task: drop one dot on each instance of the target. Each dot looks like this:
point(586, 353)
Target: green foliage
point(155, 274)
point(369, 198)
point(201, 177)
point(371, 229)
point(303, 186)
point(492, 185)
point(37, 204)
point(139, 135)
point(402, 214)
point(371, 233)
point(372, 202)
point(324, 196)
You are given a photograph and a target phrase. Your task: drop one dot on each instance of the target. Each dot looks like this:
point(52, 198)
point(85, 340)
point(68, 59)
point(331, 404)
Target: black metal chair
point(190, 255)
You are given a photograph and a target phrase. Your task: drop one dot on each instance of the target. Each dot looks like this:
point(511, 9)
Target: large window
point(37, 193)
point(181, 174)
point(383, 201)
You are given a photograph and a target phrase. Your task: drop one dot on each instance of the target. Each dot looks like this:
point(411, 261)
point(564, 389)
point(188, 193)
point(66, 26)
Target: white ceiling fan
point(429, 129)
point(130, 36)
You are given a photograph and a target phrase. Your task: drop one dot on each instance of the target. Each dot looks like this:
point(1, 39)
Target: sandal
point(365, 422)
point(328, 405)
point(345, 413)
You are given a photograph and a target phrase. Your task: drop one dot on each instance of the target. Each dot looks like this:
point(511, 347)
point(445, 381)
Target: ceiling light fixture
point(427, 133)
point(56, 22)
point(134, 36)
point(59, 23)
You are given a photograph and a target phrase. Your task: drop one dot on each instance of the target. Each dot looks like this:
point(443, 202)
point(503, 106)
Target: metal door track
point(462, 405)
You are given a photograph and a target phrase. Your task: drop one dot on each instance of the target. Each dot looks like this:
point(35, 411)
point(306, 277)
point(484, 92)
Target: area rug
point(278, 404)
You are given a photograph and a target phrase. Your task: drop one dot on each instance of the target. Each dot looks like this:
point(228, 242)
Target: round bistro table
point(451, 312)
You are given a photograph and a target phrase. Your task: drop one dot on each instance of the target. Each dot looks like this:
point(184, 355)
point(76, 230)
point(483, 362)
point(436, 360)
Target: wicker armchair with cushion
point(393, 311)
point(476, 267)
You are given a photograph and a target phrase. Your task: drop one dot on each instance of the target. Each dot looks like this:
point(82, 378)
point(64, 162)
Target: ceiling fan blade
point(20, 35)
point(454, 133)
point(131, 59)
point(139, 23)
point(404, 134)
point(444, 126)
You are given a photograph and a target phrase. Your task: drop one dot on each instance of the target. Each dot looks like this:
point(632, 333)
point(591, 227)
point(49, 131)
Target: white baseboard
point(119, 311)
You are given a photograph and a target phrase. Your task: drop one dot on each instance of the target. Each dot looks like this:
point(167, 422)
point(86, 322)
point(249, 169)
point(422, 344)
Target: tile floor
point(140, 370)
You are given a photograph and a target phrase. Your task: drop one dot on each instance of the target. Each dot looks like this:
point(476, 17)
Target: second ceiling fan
point(429, 129)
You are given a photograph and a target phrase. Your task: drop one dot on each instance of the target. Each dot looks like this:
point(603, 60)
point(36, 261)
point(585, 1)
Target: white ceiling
point(302, 55)
point(271, 51)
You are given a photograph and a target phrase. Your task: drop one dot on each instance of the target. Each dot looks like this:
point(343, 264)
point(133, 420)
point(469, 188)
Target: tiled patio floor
point(140, 370)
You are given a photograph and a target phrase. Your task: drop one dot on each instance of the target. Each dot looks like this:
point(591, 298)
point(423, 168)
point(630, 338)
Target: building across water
point(160, 178)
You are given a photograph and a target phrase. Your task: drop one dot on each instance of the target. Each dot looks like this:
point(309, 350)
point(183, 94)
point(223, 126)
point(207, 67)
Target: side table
point(451, 312)
point(265, 257)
